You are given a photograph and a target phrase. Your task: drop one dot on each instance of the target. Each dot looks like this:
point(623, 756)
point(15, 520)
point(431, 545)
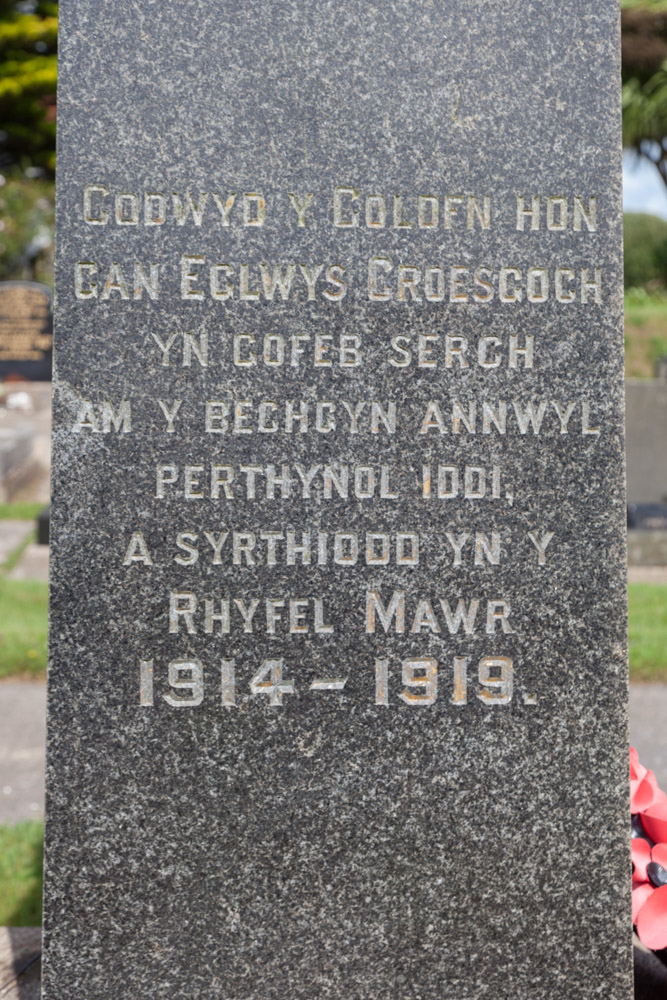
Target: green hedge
point(645, 245)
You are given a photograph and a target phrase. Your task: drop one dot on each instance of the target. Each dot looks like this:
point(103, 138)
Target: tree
point(28, 45)
point(644, 48)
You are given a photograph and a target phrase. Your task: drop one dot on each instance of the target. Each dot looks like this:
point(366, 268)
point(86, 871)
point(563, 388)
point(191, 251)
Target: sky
point(643, 188)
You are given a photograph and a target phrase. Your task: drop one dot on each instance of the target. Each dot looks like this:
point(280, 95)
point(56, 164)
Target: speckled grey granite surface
point(301, 303)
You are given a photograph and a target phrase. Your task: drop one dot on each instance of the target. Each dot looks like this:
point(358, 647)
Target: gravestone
point(646, 438)
point(26, 330)
point(337, 699)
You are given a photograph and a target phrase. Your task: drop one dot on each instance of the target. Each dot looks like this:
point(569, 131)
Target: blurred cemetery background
point(27, 164)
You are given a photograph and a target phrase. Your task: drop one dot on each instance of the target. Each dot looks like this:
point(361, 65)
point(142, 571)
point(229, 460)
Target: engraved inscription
point(418, 683)
point(392, 445)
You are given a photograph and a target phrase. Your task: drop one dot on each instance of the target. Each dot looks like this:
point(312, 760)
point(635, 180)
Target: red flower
point(644, 791)
point(649, 863)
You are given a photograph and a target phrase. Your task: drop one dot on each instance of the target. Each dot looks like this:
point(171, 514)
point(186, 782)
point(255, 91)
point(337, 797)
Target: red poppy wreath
point(648, 805)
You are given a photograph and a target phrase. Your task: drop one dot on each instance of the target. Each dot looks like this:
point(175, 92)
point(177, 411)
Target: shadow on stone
point(20, 963)
point(650, 976)
point(27, 905)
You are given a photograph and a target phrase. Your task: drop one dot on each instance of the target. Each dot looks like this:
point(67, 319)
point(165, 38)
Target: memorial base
point(21, 968)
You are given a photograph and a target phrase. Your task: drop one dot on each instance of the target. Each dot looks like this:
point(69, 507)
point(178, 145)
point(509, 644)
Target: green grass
point(647, 604)
point(20, 511)
point(645, 332)
point(640, 307)
point(13, 557)
point(653, 6)
point(23, 631)
point(21, 853)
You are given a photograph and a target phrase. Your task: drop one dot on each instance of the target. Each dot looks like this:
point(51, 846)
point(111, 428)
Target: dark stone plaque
point(337, 697)
point(26, 330)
